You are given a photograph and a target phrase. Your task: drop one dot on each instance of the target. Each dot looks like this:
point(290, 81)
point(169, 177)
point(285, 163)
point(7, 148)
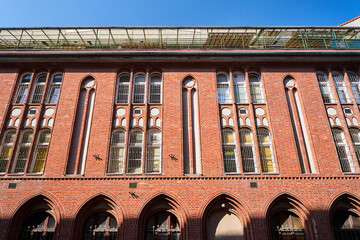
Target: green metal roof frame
point(83, 38)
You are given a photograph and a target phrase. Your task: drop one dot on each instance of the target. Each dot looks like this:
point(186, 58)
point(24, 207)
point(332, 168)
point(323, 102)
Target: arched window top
point(9, 136)
point(189, 82)
point(41, 78)
point(57, 78)
point(338, 135)
point(124, 78)
point(238, 77)
point(337, 76)
point(154, 136)
point(263, 135)
point(228, 136)
point(118, 137)
point(136, 137)
point(289, 82)
point(26, 136)
point(254, 77)
point(44, 136)
point(140, 78)
point(25, 79)
point(321, 77)
point(245, 135)
point(155, 77)
point(354, 78)
point(222, 78)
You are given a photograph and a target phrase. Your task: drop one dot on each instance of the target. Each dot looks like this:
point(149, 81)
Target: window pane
point(135, 156)
point(116, 160)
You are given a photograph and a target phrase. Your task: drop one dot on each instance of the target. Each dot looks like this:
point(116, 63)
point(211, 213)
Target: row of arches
point(163, 217)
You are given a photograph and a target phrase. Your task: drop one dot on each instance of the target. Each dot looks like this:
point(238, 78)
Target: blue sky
point(42, 13)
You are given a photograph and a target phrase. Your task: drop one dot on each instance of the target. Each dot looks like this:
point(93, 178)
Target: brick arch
point(32, 205)
point(98, 203)
point(237, 208)
point(162, 202)
point(291, 203)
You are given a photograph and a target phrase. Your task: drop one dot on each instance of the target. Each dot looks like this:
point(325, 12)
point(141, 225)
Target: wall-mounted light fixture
point(172, 156)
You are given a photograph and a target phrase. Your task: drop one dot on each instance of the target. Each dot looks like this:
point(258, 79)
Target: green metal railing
point(84, 38)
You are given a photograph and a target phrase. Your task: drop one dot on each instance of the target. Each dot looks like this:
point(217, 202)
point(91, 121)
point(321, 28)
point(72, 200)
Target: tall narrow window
point(239, 87)
point(355, 137)
point(41, 152)
point(325, 88)
point(6, 149)
point(139, 88)
point(38, 88)
point(256, 91)
point(155, 88)
point(229, 150)
point(153, 151)
point(355, 85)
point(117, 150)
point(100, 226)
point(265, 149)
point(23, 88)
point(341, 87)
point(54, 89)
point(247, 150)
point(81, 129)
point(123, 84)
point(23, 151)
point(223, 88)
point(40, 225)
point(342, 150)
point(191, 128)
point(135, 151)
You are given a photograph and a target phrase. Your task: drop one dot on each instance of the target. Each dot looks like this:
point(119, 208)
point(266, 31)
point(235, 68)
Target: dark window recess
point(347, 111)
point(137, 111)
point(132, 185)
point(32, 112)
point(243, 111)
point(12, 185)
point(253, 185)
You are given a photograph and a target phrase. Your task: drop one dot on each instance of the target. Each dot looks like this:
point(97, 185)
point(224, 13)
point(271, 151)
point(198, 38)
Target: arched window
point(162, 226)
point(23, 151)
point(265, 149)
point(346, 225)
point(23, 88)
point(139, 88)
point(229, 150)
point(341, 87)
point(54, 89)
point(223, 88)
point(355, 137)
point(117, 152)
point(256, 88)
point(153, 151)
point(135, 151)
point(41, 151)
point(38, 88)
point(7, 148)
point(123, 84)
point(286, 225)
point(355, 85)
point(325, 88)
point(239, 87)
point(155, 88)
point(342, 150)
point(100, 226)
point(247, 150)
point(40, 225)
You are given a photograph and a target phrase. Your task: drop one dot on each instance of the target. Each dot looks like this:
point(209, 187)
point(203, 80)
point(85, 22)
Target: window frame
point(37, 146)
point(239, 85)
point(355, 84)
point(235, 150)
point(8, 145)
point(256, 97)
point(35, 89)
point(252, 145)
point(25, 87)
point(223, 96)
point(117, 145)
point(151, 84)
point(343, 143)
point(118, 84)
point(269, 145)
point(152, 145)
point(135, 145)
point(54, 85)
point(135, 84)
point(341, 88)
point(19, 146)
